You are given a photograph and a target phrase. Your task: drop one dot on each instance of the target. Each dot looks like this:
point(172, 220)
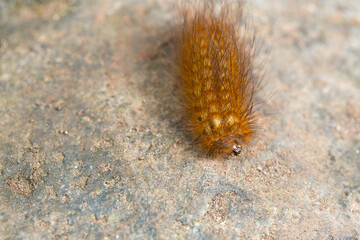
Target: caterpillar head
point(230, 145)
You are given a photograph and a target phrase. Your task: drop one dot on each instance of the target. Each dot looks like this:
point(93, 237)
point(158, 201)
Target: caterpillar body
point(216, 77)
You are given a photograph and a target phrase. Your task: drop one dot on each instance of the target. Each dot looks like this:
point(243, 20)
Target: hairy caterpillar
point(216, 76)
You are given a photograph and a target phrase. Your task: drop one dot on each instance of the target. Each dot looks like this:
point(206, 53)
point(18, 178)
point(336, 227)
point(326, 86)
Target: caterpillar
point(216, 76)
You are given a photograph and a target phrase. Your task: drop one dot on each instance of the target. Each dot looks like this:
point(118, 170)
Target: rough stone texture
point(92, 142)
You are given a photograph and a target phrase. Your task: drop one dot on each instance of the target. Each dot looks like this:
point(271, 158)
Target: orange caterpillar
point(216, 76)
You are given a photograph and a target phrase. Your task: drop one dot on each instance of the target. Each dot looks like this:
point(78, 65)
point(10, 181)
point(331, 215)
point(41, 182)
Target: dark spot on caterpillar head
point(237, 150)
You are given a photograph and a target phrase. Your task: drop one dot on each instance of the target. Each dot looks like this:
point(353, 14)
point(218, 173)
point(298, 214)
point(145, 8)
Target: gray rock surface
point(92, 144)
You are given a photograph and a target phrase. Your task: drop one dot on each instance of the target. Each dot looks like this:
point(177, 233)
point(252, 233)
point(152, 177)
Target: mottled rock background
point(92, 143)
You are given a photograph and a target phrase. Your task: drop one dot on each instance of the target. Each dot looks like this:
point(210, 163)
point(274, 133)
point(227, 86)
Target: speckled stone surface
point(91, 138)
